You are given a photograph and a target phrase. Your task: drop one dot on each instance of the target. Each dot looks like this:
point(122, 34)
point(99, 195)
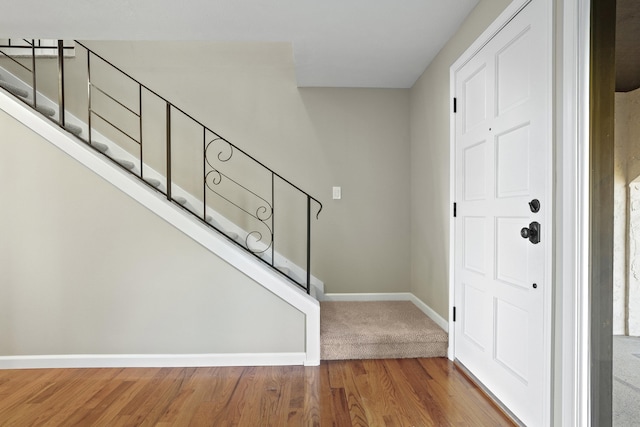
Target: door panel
point(510, 322)
point(502, 162)
point(474, 240)
point(474, 318)
point(474, 166)
point(476, 91)
point(512, 257)
point(512, 163)
point(513, 72)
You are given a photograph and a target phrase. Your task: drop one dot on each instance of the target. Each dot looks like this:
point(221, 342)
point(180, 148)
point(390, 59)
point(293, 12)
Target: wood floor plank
point(355, 402)
point(333, 404)
point(411, 401)
point(464, 397)
point(26, 385)
point(46, 404)
point(388, 393)
point(311, 408)
point(393, 408)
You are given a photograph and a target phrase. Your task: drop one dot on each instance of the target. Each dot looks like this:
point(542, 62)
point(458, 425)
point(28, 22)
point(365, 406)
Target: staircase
point(119, 125)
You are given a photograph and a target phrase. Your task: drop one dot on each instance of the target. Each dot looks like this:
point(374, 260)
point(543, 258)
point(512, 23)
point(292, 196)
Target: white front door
point(503, 162)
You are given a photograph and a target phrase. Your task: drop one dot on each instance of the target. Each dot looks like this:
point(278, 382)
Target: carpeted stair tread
point(284, 270)
point(126, 164)
point(13, 89)
point(100, 146)
point(76, 130)
point(230, 234)
point(47, 111)
point(153, 182)
point(378, 330)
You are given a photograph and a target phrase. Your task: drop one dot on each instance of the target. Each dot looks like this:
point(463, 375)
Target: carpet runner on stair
point(378, 330)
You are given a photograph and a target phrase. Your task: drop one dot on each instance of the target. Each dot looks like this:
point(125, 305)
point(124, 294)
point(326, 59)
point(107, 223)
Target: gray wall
point(84, 269)
point(430, 117)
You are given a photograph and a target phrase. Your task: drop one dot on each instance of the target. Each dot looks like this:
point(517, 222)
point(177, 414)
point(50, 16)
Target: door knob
point(532, 232)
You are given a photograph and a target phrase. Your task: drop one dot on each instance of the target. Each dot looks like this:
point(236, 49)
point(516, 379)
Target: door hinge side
point(455, 209)
point(455, 105)
point(454, 313)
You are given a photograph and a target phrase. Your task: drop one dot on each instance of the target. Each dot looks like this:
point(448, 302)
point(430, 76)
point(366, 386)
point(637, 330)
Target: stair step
point(283, 270)
point(126, 164)
point(76, 130)
point(230, 234)
point(100, 146)
point(47, 111)
point(180, 200)
point(378, 330)
point(154, 182)
point(14, 90)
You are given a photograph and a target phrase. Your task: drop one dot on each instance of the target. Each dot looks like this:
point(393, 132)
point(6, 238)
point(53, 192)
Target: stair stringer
point(176, 216)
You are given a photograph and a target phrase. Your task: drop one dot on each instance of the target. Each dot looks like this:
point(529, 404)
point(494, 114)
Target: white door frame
point(572, 219)
point(570, 329)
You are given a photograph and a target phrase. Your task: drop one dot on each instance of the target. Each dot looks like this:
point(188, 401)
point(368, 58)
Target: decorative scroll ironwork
point(220, 152)
point(215, 177)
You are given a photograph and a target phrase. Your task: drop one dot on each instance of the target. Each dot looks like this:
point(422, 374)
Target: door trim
point(572, 331)
point(503, 19)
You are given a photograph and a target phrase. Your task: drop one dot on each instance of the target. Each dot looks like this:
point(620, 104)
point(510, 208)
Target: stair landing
point(378, 330)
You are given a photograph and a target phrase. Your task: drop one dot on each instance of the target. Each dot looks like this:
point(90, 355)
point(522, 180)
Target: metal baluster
point(33, 69)
point(89, 93)
point(308, 244)
point(61, 106)
point(204, 173)
point(140, 127)
point(169, 151)
point(273, 214)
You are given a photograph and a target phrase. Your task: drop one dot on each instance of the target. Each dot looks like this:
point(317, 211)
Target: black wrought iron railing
point(235, 189)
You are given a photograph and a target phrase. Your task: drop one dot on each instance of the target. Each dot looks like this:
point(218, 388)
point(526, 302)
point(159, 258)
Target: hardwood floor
point(394, 392)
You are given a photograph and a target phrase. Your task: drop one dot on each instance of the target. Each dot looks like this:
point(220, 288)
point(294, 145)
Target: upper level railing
point(168, 146)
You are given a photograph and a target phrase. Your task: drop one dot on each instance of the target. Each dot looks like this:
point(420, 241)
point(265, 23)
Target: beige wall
point(85, 269)
point(317, 138)
point(430, 209)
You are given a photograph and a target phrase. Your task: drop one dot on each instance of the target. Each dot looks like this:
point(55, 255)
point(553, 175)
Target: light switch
point(337, 193)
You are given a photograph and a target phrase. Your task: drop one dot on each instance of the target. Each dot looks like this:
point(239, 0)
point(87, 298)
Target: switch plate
point(337, 193)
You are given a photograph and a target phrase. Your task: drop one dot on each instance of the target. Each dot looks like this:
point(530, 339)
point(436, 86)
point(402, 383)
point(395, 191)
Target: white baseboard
point(430, 312)
point(391, 296)
point(151, 360)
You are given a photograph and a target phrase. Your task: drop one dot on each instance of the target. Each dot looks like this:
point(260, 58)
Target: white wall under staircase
point(261, 318)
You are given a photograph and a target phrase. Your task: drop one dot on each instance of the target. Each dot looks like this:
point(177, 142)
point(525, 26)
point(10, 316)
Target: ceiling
point(627, 45)
point(336, 43)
